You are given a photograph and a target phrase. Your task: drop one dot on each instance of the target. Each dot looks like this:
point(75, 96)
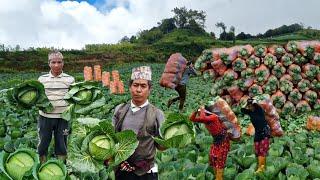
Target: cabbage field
point(296, 155)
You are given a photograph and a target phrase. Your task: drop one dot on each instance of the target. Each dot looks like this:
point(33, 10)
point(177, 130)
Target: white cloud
point(70, 24)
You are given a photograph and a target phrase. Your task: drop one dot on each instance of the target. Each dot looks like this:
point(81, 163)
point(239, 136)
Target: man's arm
point(114, 117)
point(73, 80)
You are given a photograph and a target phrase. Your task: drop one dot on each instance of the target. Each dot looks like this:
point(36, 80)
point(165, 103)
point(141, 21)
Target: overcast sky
point(72, 24)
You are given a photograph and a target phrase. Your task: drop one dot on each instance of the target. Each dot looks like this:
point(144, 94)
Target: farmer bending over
point(221, 142)
point(262, 131)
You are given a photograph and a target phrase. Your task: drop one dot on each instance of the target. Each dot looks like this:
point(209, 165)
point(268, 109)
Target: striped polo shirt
point(55, 89)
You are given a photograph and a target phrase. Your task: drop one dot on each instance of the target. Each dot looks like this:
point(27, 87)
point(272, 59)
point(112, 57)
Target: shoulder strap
point(120, 115)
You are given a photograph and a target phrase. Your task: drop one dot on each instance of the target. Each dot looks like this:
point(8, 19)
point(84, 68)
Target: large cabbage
point(296, 171)
point(29, 94)
point(19, 164)
point(83, 98)
point(100, 147)
point(28, 97)
point(94, 140)
point(51, 170)
point(247, 174)
point(176, 131)
point(274, 166)
point(314, 169)
point(230, 173)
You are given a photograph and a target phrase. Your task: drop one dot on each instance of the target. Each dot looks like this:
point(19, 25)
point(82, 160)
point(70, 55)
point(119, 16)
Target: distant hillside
point(305, 34)
point(187, 42)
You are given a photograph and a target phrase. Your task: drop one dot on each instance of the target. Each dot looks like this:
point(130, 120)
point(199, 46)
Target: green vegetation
point(300, 147)
point(293, 156)
point(95, 141)
point(176, 131)
point(83, 98)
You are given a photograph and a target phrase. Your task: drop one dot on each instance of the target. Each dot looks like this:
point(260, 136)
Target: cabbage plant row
point(294, 156)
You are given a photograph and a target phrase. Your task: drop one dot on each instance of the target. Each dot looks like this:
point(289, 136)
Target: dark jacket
point(259, 122)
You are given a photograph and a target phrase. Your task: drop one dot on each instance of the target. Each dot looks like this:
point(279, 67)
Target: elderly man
point(56, 84)
point(144, 119)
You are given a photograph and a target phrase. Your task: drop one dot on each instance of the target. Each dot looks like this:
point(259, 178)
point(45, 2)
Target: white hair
point(54, 55)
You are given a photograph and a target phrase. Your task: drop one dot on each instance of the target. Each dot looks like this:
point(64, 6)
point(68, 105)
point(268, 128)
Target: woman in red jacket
point(221, 142)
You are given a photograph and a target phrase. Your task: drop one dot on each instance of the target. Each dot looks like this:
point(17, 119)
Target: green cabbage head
point(100, 147)
point(28, 97)
point(176, 130)
point(29, 94)
point(84, 96)
point(94, 141)
point(18, 164)
point(51, 171)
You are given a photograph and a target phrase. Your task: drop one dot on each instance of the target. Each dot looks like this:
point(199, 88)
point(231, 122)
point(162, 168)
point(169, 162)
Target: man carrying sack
point(176, 76)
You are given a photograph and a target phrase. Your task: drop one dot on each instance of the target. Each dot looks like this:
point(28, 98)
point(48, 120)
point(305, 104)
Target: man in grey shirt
point(56, 84)
point(144, 119)
point(181, 88)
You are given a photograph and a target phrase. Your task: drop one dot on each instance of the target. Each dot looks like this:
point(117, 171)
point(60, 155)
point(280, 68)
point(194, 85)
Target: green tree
point(222, 26)
point(17, 48)
point(150, 36)
point(284, 29)
point(223, 34)
point(184, 18)
point(167, 25)
point(232, 34)
point(213, 35)
point(194, 26)
point(124, 39)
point(133, 39)
point(2, 47)
point(243, 36)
